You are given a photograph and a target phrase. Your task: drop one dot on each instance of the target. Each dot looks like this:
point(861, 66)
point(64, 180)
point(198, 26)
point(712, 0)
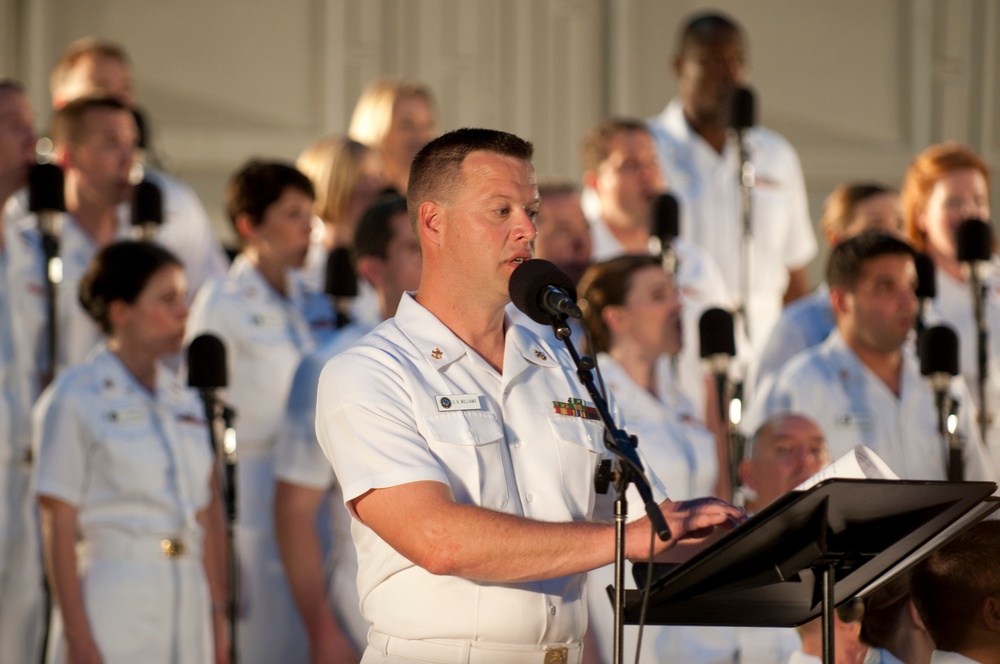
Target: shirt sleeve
point(61, 446)
point(298, 457)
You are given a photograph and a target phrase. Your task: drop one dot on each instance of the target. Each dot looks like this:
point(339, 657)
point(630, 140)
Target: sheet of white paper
point(861, 463)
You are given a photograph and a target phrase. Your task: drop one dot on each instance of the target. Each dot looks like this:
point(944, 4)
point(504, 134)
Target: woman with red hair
point(945, 185)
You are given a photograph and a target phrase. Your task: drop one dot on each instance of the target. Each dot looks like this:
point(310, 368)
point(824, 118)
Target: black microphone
point(664, 229)
point(206, 361)
point(341, 282)
point(543, 292)
point(974, 241)
point(717, 338)
point(926, 276)
point(46, 197)
point(742, 109)
point(147, 209)
point(939, 356)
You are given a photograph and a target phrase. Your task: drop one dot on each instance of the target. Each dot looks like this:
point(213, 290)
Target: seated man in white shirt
point(388, 257)
point(469, 477)
point(863, 384)
point(956, 590)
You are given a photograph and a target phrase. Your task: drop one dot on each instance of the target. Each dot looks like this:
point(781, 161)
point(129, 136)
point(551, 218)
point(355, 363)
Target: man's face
point(564, 234)
point(629, 180)
point(785, 454)
point(282, 236)
point(96, 75)
point(879, 314)
point(957, 196)
point(103, 157)
point(17, 141)
point(402, 258)
point(488, 225)
point(707, 71)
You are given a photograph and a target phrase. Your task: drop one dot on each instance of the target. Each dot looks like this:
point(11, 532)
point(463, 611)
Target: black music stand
point(809, 552)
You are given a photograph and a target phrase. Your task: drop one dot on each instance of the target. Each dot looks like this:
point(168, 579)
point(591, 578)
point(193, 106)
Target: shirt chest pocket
point(133, 455)
point(469, 446)
point(579, 446)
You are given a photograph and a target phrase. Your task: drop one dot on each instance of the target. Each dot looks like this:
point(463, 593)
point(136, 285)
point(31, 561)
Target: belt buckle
point(172, 548)
point(559, 655)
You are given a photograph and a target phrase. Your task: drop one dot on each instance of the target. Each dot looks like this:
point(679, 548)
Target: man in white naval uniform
point(956, 590)
point(701, 162)
point(388, 257)
point(462, 443)
point(623, 173)
point(22, 362)
point(863, 384)
point(97, 67)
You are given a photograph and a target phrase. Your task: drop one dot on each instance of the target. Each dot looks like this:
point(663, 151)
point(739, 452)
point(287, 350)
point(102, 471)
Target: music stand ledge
point(811, 551)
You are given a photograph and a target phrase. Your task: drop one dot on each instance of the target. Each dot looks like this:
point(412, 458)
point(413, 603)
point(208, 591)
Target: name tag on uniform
point(855, 419)
point(458, 402)
point(128, 416)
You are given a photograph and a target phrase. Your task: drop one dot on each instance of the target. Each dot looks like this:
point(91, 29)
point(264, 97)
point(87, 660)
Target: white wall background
point(858, 86)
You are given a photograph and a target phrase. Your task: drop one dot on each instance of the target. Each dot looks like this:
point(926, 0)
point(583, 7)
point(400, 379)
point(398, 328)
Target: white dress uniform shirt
point(708, 185)
point(422, 406)
point(830, 384)
point(948, 657)
point(299, 460)
point(953, 306)
point(265, 335)
point(805, 323)
point(702, 287)
point(23, 359)
point(137, 466)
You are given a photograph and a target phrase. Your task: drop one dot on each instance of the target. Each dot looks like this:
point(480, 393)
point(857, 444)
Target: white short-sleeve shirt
point(422, 406)
point(708, 185)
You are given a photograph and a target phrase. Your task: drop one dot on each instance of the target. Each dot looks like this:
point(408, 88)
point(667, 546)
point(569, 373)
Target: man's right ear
point(430, 220)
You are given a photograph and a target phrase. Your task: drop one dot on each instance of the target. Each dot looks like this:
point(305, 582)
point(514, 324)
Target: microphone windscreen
point(666, 214)
point(974, 240)
point(939, 351)
point(341, 280)
point(147, 204)
point(741, 112)
point(529, 282)
point(715, 333)
point(206, 362)
point(45, 189)
point(926, 276)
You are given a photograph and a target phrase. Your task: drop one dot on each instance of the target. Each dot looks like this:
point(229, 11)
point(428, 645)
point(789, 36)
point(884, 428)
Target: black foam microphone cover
point(926, 276)
point(939, 351)
point(341, 279)
point(974, 240)
point(666, 218)
point(741, 111)
point(206, 362)
point(716, 334)
point(46, 191)
point(530, 281)
point(147, 204)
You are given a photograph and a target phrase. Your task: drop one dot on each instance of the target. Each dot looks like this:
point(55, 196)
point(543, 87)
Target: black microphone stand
point(629, 470)
point(225, 453)
point(982, 346)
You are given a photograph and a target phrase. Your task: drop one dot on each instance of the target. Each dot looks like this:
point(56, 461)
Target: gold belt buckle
point(172, 548)
point(558, 655)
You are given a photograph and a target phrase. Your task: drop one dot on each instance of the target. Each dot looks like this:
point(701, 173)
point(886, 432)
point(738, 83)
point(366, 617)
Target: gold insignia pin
point(540, 355)
point(437, 354)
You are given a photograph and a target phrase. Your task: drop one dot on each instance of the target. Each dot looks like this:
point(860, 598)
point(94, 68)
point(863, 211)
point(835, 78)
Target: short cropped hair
point(597, 142)
point(87, 46)
point(374, 232)
point(258, 184)
point(847, 259)
point(437, 168)
point(10, 85)
point(704, 27)
point(120, 271)
point(66, 127)
point(950, 585)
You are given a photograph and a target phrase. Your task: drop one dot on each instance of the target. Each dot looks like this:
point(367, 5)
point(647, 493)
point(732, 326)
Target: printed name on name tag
point(458, 402)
